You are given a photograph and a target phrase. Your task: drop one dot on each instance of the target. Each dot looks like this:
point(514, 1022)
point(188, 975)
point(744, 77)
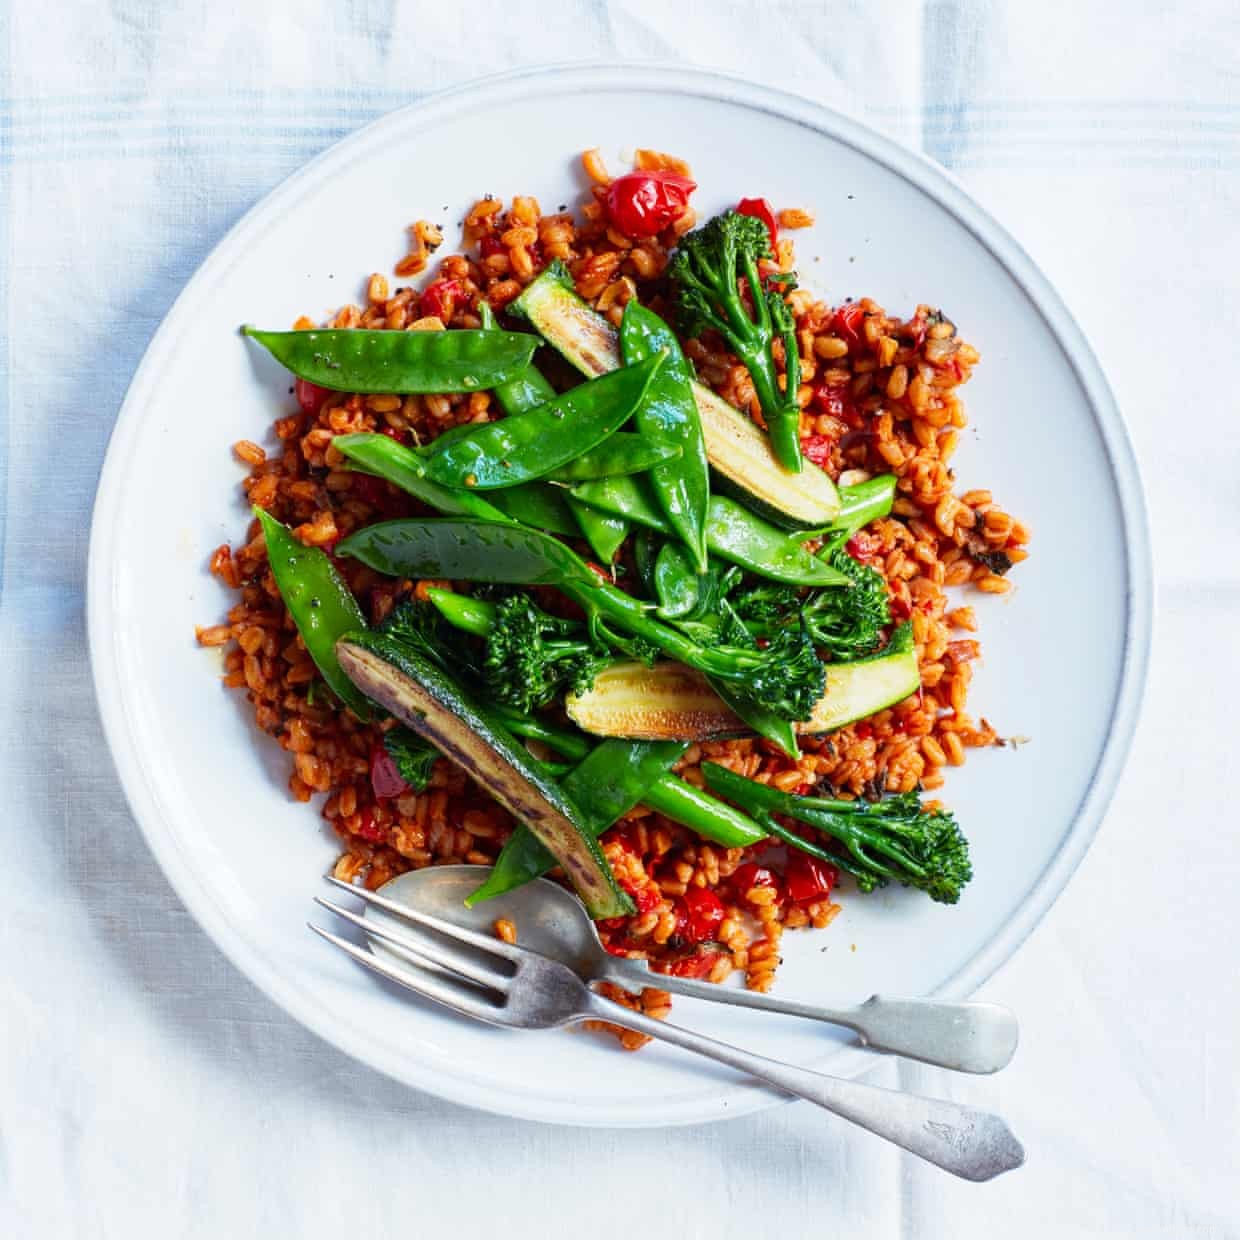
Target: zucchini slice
point(669, 701)
point(426, 699)
point(739, 450)
point(863, 687)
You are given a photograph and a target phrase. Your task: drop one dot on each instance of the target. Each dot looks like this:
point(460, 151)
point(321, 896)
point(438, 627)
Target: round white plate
point(209, 791)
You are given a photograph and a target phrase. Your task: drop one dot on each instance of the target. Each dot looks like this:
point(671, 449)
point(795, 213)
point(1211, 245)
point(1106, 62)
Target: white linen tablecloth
point(146, 1089)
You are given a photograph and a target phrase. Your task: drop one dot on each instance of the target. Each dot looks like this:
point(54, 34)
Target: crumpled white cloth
point(146, 1089)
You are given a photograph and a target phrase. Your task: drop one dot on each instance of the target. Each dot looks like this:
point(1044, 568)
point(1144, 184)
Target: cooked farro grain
point(890, 401)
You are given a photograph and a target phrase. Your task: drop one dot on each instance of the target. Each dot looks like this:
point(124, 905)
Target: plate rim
point(639, 76)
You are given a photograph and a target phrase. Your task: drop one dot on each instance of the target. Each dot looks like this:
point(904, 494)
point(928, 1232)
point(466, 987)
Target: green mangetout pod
point(669, 417)
point(383, 458)
point(352, 360)
point(733, 533)
point(322, 606)
point(530, 445)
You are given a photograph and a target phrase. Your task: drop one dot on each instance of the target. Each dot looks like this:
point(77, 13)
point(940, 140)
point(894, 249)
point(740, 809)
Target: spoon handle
point(973, 1144)
point(967, 1037)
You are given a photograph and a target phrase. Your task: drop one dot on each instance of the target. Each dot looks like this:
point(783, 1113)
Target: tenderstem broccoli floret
point(705, 273)
point(895, 839)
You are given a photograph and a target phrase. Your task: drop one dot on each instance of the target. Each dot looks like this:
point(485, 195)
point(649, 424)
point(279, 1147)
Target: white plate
point(209, 791)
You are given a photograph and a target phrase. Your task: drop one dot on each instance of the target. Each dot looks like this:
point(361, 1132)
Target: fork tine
point(445, 956)
point(455, 995)
point(484, 942)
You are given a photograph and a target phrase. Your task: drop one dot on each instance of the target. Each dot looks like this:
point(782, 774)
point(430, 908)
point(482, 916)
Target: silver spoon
point(479, 975)
point(968, 1037)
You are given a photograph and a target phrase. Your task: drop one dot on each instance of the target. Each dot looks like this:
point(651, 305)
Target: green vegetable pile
point(725, 556)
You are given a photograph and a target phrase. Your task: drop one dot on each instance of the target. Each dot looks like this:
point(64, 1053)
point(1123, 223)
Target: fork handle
point(973, 1144)
point(966, 1037)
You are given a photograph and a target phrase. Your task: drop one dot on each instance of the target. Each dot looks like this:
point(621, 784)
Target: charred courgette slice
point(426, 699)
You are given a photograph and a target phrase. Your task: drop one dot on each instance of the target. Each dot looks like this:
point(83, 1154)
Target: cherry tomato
point(809, 878)
point(645, 897)
point(642, 204)
point(762, 210)
point(490, 245)
point(835, 400)
point(699, 913)
point(439, 299)
point(818, 448)
point(384, 775)
point(848, 323)
point(368, 828)
point(862, 548)
point(751, 875)
point(309, 395)
point(697, 966)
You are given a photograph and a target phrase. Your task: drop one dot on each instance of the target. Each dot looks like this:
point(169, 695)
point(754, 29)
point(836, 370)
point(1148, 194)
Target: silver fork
point(481, 976)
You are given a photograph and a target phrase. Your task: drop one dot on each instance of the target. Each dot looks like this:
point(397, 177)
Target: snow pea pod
point(675, 581)
point(621, 453)
point(538, 504)
point(384, 458)
point(322, 606)
point(733, 533)
point(603, 531)
point(669, 417)
point(530, 445)
point(864, 502)
point(525, 390)
point(352, 360)
point(608, 782)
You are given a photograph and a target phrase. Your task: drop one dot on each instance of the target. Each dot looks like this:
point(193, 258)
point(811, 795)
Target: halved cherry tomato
point(848, 323)
point(751, 875)
point(862, 547)
point(439, 299)
point(384, 775)
point(809, 878)
point(762, 210)
point(835, 400)
point(368, 828)
point(309, 395)
point(645, 897)
point(697, 967)
point(699, 913)
point(642, 204)
point(818, 448)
